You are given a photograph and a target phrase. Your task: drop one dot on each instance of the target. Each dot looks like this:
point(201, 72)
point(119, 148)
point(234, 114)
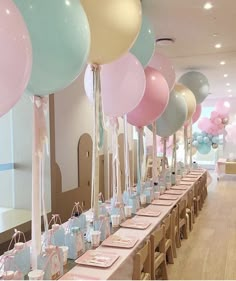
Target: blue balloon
point(204, 134)
point(200, 139)
point(206, 140)
point(195, 135)
point(215, 139)
point(204, 148)
point(195, 143)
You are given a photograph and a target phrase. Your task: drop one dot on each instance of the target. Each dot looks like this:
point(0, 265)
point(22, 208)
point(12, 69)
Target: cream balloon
point(114, 27)
point(189, 99)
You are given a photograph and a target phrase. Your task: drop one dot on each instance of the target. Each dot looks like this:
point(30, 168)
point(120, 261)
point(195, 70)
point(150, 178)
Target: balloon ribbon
point(40, 139)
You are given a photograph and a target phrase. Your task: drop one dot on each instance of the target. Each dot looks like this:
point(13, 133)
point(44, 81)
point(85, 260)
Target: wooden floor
point(210, 251)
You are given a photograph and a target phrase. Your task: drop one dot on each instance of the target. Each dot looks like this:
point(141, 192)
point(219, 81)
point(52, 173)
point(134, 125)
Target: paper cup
point(115, 220)
point(36, 274)
point(143, 199)
point(65, 253)
point(128, 211)
point(162, 189)
point(95, 238)
point(157, 195)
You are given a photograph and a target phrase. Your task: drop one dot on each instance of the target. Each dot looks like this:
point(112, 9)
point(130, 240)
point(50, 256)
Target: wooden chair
point(190, 209)
point(158, 255)
point(183, 223)
point(168, 239)
point(196, 198)
point(175, 230)
point(142, 263)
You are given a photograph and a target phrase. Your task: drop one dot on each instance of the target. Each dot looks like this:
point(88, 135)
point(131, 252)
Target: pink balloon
point(122, 85)
point(15, 56)
point(165, 67)
point(205, 124)
point(197, 113)
point(222, 107)
point(217, 121)
point(154, 101)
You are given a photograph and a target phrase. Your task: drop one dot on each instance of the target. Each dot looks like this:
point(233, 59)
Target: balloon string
point(126, 155)
point(96, 140)
point(164, 157)
point(190, 143)
point(173, 163)
point(185, 146)
point(154, 153)
point(139, 159)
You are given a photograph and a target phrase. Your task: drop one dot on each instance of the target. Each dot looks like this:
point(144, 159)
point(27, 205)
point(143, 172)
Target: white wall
point(22, 143)
point(73, 117)
point(6, 177)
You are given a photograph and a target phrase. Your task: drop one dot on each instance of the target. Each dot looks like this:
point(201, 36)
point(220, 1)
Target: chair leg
point(170, 255)
point(193, 215)
point(188, 224)
point(174, 249)
point(164, 270)
point(185, 229)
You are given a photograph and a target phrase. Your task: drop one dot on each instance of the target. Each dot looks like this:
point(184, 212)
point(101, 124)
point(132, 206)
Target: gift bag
point(20, 254)
point(134, 202)
point(149, 194)
point(117, 208)
point(103, 225)
point(57, 233)
point(51, 262)
point(9, 268)
point(74, 240)
point(78, 218)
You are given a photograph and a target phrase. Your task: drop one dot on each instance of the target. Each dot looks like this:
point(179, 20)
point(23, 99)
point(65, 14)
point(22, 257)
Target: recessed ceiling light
point(218, 46)
point(222, 62)
point(227, 84)
point(226, 75)
point(230, 96)
point(229, 91)
point(215, 34)
point(208, 6)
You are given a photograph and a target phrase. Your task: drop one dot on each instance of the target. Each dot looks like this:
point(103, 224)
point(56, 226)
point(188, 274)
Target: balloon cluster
point(231, 133)
point(204, 142)
point(219, 119)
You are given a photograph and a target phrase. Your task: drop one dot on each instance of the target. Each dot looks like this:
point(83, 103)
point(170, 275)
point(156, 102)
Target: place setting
point(135, 223)
point(118, 241)
point(97, 258)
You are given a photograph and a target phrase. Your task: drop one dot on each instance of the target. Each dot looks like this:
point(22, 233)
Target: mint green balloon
point(144, 45)
point(60, 37)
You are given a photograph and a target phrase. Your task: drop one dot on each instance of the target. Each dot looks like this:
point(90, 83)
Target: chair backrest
point(158, 240)
point(142, 262)
point(190, 199)
point(182, 209)
point(167, 224)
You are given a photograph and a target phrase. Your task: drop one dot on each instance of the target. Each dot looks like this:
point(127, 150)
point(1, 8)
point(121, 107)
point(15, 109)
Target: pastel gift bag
point(57, 232)
point(51, 262)
point(74, 240)
point(20, 254)
point(10, 270)
point(78, 218)
point(103, 225)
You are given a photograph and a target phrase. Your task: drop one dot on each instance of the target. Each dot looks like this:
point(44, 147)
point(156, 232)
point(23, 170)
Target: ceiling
point(196, 31)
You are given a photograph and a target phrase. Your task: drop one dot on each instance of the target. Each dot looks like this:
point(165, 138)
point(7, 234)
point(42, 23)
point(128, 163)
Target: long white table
point(122, 269)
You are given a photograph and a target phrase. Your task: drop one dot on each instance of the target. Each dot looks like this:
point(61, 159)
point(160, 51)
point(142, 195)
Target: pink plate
point(173, 192)
point(168, 197)
point(135, 223)
point(177, 187)
point(97, 259)
point(188, 180)
point(120, 242)
point(162, 202)
point(148, 213)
